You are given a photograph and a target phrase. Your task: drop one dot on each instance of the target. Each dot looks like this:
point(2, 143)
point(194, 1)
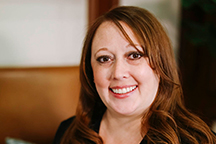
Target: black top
point(95, 125)
point(61, 130)
point(65, 124)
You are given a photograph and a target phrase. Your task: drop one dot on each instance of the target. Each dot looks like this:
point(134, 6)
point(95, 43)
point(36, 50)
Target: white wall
point(168, 13)
point(41, 32)
point(51, 32)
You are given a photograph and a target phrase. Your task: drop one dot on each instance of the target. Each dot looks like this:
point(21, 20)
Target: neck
point(121, 120)
point(120, 129)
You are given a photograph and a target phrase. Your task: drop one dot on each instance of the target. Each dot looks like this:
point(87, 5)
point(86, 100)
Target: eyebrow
point(137, 46)
point(101, 49)
point(129, 45)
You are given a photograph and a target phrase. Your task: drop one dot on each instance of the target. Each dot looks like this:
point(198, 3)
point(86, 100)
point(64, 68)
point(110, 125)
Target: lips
point(123, 90)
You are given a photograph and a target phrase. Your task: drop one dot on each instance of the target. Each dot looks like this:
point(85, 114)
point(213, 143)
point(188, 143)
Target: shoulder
point(61, 130)
point(66, 123)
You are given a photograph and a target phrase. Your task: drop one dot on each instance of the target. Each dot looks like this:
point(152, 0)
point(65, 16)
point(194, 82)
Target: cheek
point(149, 79)
point(99, 77)
point(101, 83)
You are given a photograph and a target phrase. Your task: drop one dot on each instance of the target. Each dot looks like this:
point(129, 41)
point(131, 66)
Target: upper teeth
point(123, 90)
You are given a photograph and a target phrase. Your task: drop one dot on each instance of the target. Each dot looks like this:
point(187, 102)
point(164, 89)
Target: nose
point(120, 70)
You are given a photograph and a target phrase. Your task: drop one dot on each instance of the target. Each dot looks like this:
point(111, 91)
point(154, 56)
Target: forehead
point(112, 26)
point(108, 30)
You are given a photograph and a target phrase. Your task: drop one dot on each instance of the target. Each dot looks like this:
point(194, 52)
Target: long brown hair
point(168, 120)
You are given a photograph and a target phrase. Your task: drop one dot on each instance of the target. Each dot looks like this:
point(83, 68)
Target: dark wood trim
point(98, 7)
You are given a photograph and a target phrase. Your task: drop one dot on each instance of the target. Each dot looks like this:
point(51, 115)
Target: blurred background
point(40, 49)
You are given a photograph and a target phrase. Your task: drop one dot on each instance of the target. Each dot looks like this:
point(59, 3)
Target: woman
point(130, 89)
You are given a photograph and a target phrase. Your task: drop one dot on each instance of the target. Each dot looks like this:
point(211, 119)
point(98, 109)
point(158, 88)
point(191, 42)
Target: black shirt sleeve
point(61, 130)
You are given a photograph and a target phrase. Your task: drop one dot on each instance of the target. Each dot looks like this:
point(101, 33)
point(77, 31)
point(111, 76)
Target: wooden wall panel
point(99, 7)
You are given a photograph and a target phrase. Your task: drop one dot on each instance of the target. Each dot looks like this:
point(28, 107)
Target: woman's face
point(123, 78)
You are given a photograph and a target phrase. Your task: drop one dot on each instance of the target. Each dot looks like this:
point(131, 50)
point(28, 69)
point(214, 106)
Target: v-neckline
point(95, 125)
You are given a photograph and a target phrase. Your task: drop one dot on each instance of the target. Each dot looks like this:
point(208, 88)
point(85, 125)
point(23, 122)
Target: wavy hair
point(168, 120)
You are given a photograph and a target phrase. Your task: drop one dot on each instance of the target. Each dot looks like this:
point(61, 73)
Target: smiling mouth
point(123, 90)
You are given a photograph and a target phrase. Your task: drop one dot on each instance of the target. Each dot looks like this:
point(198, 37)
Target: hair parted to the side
point(168, 120)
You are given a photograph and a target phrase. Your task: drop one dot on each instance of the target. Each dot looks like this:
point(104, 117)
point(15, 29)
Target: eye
point(103, 59)
point(135, 55)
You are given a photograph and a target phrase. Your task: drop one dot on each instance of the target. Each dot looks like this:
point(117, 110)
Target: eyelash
point(137, 55)
point(103, 59)
point(131, 56)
